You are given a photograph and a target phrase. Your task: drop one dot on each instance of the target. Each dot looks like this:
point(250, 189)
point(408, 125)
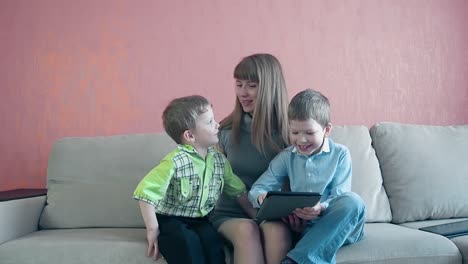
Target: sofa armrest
point(20, 211)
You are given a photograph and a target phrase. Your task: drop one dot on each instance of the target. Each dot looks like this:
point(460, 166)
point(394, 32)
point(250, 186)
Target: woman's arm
point(246, 205)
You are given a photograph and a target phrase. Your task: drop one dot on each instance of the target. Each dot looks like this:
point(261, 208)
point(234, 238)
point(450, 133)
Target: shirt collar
point(325, 147)
point(190, 149)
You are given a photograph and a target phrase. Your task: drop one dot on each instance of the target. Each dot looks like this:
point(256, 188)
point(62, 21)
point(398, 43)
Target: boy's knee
point(352, 201)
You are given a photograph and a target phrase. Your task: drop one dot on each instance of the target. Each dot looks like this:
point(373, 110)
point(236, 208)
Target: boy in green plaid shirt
point(176, 196)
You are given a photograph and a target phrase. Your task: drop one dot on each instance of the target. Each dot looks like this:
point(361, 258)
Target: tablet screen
point(280, 204)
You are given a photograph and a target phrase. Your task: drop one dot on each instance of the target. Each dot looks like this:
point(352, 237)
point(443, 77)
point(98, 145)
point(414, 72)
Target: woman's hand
point(295, 223)
point(309, 213)
point(153, 249)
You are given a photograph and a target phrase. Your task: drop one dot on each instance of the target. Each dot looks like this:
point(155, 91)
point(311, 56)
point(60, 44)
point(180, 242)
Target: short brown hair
point(181, 114)
point(310, 104)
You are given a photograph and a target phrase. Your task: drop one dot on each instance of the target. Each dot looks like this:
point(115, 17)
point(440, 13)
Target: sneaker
point(288, 260)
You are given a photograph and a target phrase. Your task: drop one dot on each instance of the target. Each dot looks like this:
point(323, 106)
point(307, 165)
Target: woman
point(250, 137)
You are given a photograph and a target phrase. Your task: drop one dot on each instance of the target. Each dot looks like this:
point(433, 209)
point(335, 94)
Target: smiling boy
point(314, 163)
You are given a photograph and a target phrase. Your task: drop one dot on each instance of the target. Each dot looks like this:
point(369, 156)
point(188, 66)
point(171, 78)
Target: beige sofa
point(409, 177)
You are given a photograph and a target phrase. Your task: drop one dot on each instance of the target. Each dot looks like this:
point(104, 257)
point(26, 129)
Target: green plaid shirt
point(185, 184)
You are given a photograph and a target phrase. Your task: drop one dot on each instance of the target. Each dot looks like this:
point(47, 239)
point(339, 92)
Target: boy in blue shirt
point(314, 163)
point(176, 196)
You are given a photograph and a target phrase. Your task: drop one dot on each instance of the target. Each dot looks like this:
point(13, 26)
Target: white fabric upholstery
point(425, 170)
point(367, 180)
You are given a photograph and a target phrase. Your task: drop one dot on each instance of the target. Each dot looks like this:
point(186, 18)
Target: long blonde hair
point(270, 115)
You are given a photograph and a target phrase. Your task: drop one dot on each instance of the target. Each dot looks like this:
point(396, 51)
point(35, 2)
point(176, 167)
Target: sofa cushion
point(425, 170)
point(77, 246)
point(461, 242)
point(85, 245)
point(367, 180)
point(462, 245)
point(382, 243)
point(90, 181)
point(386, 243)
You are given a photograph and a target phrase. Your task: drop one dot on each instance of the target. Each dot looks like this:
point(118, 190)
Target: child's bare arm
point(152, 228)
point(149, 215)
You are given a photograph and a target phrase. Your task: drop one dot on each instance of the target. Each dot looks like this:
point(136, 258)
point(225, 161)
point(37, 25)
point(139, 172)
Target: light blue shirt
point(327, 172)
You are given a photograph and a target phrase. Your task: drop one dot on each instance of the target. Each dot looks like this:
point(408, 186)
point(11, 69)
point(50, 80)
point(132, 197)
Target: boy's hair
point(310, 104)
point(270, 115)
point(181, 114)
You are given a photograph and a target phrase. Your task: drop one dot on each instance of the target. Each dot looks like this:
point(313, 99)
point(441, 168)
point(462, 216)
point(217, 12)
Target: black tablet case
point(279, 204)
point(449, 230)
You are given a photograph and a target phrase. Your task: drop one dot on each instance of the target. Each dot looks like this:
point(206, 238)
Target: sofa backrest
point(367, 179)
point(424, 168)
point(90, 181)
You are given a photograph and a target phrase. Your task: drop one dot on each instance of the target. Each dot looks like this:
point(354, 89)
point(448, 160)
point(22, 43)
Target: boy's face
point(246, 92)
point(206, 130)
point(307, 135)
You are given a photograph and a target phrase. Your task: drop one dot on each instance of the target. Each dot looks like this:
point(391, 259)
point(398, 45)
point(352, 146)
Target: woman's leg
point(244, 234)
point(276, 241)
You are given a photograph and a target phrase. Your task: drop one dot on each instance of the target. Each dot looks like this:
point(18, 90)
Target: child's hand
point(309, 213)
point(261, 197)
point(152, 237)
point(295, 223)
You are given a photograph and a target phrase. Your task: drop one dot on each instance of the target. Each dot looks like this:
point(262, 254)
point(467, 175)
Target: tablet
point(279, 204)
point(449, 230)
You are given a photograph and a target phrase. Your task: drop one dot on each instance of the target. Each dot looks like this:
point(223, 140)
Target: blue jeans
point(341, 224)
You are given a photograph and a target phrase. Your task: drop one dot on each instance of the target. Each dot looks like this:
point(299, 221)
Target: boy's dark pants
point(189, 240)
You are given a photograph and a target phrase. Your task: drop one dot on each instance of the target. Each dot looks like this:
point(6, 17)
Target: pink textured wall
point(84, 68)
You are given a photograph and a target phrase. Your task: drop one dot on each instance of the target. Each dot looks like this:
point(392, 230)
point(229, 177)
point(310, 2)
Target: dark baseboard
point(21, 194)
